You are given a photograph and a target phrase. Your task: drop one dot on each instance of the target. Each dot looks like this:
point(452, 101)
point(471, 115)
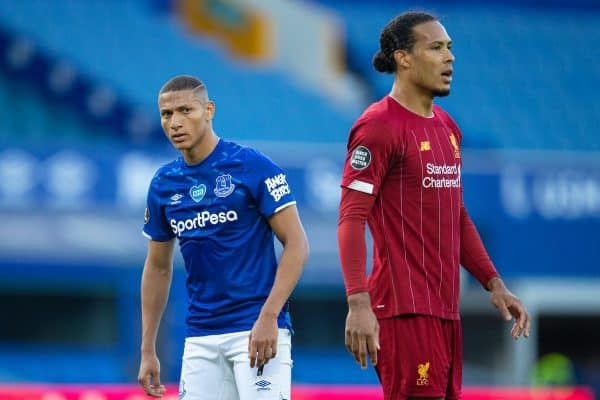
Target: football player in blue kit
point(224, 203)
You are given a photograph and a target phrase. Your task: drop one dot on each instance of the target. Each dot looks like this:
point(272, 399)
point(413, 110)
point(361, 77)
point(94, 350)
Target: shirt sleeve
point(269, 184)
point(155, 221)
point(473, 255)
point(355, 206)
point(369, 157)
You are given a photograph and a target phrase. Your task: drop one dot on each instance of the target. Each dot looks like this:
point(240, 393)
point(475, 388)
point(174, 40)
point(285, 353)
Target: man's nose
point(175, 122)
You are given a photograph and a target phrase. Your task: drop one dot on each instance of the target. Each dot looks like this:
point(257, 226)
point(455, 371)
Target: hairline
point(200, 93)
point(416, 35)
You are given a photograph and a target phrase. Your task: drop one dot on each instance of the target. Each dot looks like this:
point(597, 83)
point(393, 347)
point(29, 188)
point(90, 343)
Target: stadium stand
point(97, 39)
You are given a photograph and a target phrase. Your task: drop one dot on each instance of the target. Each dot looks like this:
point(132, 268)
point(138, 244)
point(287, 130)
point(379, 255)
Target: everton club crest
point(224, 187)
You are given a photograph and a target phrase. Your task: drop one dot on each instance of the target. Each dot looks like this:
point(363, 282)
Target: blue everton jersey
point(218, 210)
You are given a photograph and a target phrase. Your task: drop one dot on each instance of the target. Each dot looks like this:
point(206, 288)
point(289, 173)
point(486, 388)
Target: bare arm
point(262, 345)
point(156, 281)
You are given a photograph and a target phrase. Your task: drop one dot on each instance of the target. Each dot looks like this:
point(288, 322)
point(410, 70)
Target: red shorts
point(420, 356)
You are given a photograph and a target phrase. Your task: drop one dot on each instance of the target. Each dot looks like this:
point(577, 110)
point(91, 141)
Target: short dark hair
point(183, 82)
point(398, 34)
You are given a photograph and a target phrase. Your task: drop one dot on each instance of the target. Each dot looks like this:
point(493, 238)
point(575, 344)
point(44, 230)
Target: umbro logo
point(176, 199)
point(262, 385)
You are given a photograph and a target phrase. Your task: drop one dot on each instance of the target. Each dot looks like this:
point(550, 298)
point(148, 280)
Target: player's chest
point(211, 194)
point(426, 151)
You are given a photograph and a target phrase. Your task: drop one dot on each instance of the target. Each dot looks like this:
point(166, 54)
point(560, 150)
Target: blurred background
point(80, 139)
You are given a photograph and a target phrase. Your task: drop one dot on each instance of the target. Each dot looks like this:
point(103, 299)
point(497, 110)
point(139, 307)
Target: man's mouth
point(447, 75)
point(178, 137)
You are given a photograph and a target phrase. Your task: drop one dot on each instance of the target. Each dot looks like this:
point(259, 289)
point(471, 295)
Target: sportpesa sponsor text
point(433, 181)
point(202, 219)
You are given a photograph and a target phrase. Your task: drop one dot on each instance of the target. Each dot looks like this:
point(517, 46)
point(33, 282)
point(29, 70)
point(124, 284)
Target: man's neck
point(201, 150)
point(413, 98)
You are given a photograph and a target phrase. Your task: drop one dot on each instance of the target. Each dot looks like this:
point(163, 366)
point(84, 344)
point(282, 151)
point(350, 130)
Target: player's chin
point(180, 145)
point(442, 91)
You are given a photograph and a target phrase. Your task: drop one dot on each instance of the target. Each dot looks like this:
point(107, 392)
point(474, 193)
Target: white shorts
point(217, 367)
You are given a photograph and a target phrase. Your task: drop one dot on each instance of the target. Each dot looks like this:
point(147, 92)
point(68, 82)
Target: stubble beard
point(441, 92)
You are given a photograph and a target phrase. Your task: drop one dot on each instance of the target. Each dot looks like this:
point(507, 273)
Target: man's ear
point(210, 110)
point(402, 58)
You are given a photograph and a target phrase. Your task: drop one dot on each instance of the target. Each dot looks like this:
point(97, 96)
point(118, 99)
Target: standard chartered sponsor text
point(443, 169)
point(442, 182)
point(202, 219)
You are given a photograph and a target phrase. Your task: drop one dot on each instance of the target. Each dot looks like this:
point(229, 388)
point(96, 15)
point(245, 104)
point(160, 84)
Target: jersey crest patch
point(361, 158)
point(454, 144)
point(224, 187)
point(197, 192)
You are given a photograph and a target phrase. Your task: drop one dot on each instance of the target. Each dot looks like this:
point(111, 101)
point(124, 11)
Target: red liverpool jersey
point(412, 165)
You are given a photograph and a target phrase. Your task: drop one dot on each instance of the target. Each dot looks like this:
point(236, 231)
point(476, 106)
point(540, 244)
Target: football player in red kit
point(402, 175)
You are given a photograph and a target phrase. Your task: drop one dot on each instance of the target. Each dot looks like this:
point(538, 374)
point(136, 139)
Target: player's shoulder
point(444, 116)
point(168, 169)
point(440, 112)
point(379, 123)
point(376, 113)
point(233, 149)
point(252, 156)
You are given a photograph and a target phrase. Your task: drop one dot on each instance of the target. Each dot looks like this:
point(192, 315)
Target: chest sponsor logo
point(423, 371)
point(442, 176)
point(454, 144)
point(197, 192)
point(361, 158)
point(224, 187)
point(277, 186)
point(202, 220)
